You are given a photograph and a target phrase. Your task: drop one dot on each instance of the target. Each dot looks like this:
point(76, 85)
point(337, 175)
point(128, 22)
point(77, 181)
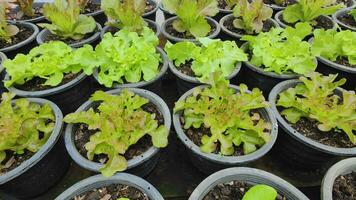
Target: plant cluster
point(231, 117)
point(23, 125)
point(120, 122)
point(128, 56)
point(333, 45)
point(314, 98)
point(26, 7)
point(49, 61)
point(264, 192)
point(7, 31)
point(67, 22)
point(282, 50)
point(191, 15)
point(208, 57)
point(250, 16)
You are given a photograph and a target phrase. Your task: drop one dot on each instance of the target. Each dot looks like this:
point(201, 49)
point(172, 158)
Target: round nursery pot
point(45, 33)
point(249, 176)
point(166, 14)
point(37, 7)
point(140, 165)
point(151, 24)
point(209, 163)
point(185, 82)
point(68, 96)
point(44, 169)
point(98, 181)
point(341, 168)
point(25, 45)
point(298, 150)
point(343, 19)
point(152, 13)
point(154, 85)
point(222, 12)
point(2, 73)
point(98, 15)
point(168, 24)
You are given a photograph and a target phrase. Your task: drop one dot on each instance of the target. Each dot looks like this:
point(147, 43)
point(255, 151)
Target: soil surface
point(82, 136)
point(53, 37)
point(14, 160)
point(113, 192)
point(22, 35)
point(20, 16)
point(284, 4)
point(347, 19)
point(91, 7)
point(186, 69)
point(345, 62)
point(345, 187)
point(267, 25)
point(35, 84)
point(186, 35)
point(320, 22)
point(234, 190)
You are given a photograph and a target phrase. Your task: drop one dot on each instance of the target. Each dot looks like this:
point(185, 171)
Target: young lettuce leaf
point(264, 192)
point(26, 7)
point(7, 31)
point(120, 122)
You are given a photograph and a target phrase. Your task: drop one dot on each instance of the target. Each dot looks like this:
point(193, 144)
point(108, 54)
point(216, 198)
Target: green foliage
point(125, 14)
point(82, 4)
point(282, 50)
point(123, 199)
point(120, 122)
point(231, 117)
point(264, 192)
point(231, 3)
point(127, 56)
point(353, 13)
point(191, 15)
point(50, 61)
point(6, 30)
point(308, 10)
point(250, 16)
point(67, 22)
point(333, 44)
point(209, 56)
point(314, 98)
point(23, 125)
point(26, 7)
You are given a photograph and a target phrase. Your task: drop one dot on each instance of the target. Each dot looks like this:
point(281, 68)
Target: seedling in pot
point(7, 31)
point(119, 122)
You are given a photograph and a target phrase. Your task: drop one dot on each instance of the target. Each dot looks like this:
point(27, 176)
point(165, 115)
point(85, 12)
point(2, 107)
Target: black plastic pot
point(26, 45)
point(248, 175)
point(41, 37)
point(166, 14)
point(33, 20)
point(44, 169)
point(209, 163)
point(150, 23)
point(141, 165)
point(2, 73)
point(152, 14)
point(98, 181)
point(341, 168)
point(174, 39)
point(341, 13)
point(68, 96)
point(298, 150)
point(99, 15)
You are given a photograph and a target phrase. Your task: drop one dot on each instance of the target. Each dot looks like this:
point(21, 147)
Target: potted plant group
point(67, 24)
point(52, 71)
point(346, 18)
point(223, 125)
point(30, 145)
point(27, 11)
point(317, 120)
point(192, 20)
point(119, 187)
point(119, 130)
point(246, 184)
point(192, 64)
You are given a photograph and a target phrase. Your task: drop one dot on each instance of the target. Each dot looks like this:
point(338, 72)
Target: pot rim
point(342, 12)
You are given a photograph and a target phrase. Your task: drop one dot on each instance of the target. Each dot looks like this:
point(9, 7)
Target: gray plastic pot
point(153, 85)
point(166, 14)
point(41, 37)
point(33, 20)
point(28, 180)
point(2, 74)
point(99, 15)
point(222, 13)
point(152, 14)
point(210, 162)
point(341, 168)
point(298, 150)
point(26, 45)
point(68, 96)
point(340, 13)
point(174, 39)
point(247, 175)
point(141, 165)
point(150, 23)
point(99, 181)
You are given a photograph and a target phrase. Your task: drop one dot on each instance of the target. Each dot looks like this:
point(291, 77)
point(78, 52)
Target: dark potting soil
point(91, 7)
point(232, 190)
point(284, 4)
point(149, 6)
point(113, 192)
point(347, 19)
point(82, 136)
point(186, 68)
point(345, 187)
point(14, 160)
point(267, 25)
point(53, 37)
point(186, 35)
point(321, 22)
point(22, 35)
point(345, 62)
point(20, 16)
point(35, 84)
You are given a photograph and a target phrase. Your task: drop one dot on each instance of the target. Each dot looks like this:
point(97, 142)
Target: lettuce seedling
point(7, 31)
point(250, 16)
point(120, 123)
point(231, 117)
point(264, 192)
point(314, 98)
point(125, 14)
point(50, 61)
point(282, 50)
point(309, 10)
point(23, 125)
point(26, 7)
point(353, 13)
point(128, 57)
point(209, 56)
point(67, 22)
point(191, 15)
